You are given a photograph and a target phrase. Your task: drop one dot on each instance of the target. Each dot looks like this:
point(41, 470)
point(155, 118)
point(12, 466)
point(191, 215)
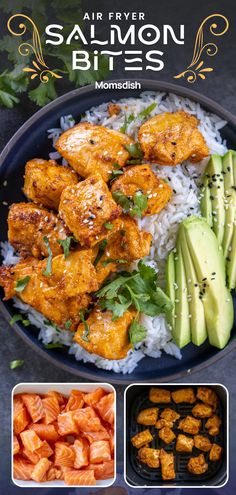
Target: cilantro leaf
point(127, 121)
point(48, 270)
point(140, 204)
point(117, 308)
point(137, 332)
point(68, 324)
point(22, 283)
point(115, 174)
point(19, 317)
point(122, 200)
point(144, 113)
point(85, 335)
point(108, 225)
point(16, 363)
point(43, 93)
point(134, 150)
point(65, 243)
point(101, 251)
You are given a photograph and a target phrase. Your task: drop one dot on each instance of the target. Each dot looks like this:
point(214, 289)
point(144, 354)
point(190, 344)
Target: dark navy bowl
point(31, 141)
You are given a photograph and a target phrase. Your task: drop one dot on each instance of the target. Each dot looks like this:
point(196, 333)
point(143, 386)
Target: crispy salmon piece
point(76, 401)
point(92, 398)
point(103, 471)
point(148, 456)
point(51, 409)
point(34, 405)
point(67, 424)
point(22, 470)
point(208, 396)
point(87, 420)
point(45, 432)
point(31, 440)
point(16, 445)
point(141, 439)
point(81, 449)
point(105, 407)
point(100, 451)
point(64, 455)
point(44, 451)
point(80, 478)
point(148, 416)
point(167, 465)
point(213, 425)
point(197, 465)
point(160, 395)
point(215, 452)
point(21, 417)
point(40, 469)
point(202, 411)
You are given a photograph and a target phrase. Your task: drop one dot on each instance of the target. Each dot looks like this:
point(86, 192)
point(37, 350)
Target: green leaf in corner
point(44, 93)
point(22, 283)
point(137, 332)
point(16, 363)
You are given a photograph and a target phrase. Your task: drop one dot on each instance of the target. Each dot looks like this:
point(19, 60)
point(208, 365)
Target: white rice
point(183, 179)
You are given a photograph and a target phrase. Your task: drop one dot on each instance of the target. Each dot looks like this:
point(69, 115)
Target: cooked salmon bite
point(182, 395)
point(87, 208)
point(90, 148)
point(29, 224)
point(197, 465)
point(184, 443)
point(148, 416)
point(103, 336)
point(141, 439)
point(45, 181)
point(171, 138)
point(141, 178)
point(167, 465)
point(149, 456)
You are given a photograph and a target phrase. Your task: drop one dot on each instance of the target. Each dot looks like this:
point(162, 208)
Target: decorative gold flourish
point(40, 68)
point(196, 68)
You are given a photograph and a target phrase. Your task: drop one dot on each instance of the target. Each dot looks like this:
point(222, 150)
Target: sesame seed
point(5, 183)
point(5, 203)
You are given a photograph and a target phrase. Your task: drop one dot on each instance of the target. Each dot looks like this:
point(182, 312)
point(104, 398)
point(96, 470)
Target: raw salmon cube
point(93, 398)
point(30, 440)
point(93, 436)
point(21, 417)
point(64, 455)
point(81, 449)
point(100, 451)
point(105, 408)
point(54, 474)
point(40, 469)
point(45, 450)
point(45, 432)
point(34, 406)
point(22, 470)
point(103, 471)
point(67, 424)
point(76, 401)
point(56, 395)
point(51, 408)
point(16, 445)
point(87, 420)
point(80, 478)
point(32, 457)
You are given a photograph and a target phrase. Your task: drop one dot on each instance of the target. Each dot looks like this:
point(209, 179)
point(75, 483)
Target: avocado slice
point(196, 308)
point(231, 262)
point(209, 266)
point(181, 331)
point(228, 161)
point(206, 206)
point(216, 185)
point(170, 287)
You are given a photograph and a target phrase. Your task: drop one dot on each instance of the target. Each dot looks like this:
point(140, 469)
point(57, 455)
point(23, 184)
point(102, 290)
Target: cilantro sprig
point(135, 206)
point(137, 288)
point(66, 243)
point(22, 283)
point(48, 270)
point(85, 335)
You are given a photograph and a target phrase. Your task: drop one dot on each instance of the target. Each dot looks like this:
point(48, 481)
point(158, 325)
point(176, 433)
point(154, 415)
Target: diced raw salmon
point(100, 451)
point(45, 432)
point(30, 456)
point(105, 408)
point(80, 478)
point(81, 449)
point(64, 455)
point(93, 436)
point(51, 409)
point(34, 405)
point(31, 440)
point(57, 395)
point(40, 469)
point(45, 450)
point(76, 401)
point(87, 420)
point(16, 445)
point(22, 470)
point(54, 474)
point(21, 417)
point(92, 398)
point(111, 439)
point(67, 424)
point(102, 471)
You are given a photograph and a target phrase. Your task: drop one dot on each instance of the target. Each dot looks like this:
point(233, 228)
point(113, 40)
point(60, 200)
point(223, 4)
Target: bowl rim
point(146, 85)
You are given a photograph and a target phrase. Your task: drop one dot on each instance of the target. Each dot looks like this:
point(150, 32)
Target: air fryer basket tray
point(139, 474)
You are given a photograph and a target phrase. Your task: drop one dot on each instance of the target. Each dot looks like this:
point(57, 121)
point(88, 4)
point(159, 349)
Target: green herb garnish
point(19, 317)
point(68, 324)
point(144, 113)
point(134, 150)
point(65, 243)
point(21, 284)
point(137, 332)
point(135, 207)
point(110, 260)
point(139, 289)
point(48, 270)
point(115, 174)
point(16, 363)
point(86, 327)
point(101, 251)
point(127, 121)
point(108, 225)
point(53, 346)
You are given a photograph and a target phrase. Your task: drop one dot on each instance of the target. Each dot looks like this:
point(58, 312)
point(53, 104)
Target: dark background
point(219, 85)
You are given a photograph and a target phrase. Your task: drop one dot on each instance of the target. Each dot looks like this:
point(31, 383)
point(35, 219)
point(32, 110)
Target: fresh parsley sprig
point(135, 206)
